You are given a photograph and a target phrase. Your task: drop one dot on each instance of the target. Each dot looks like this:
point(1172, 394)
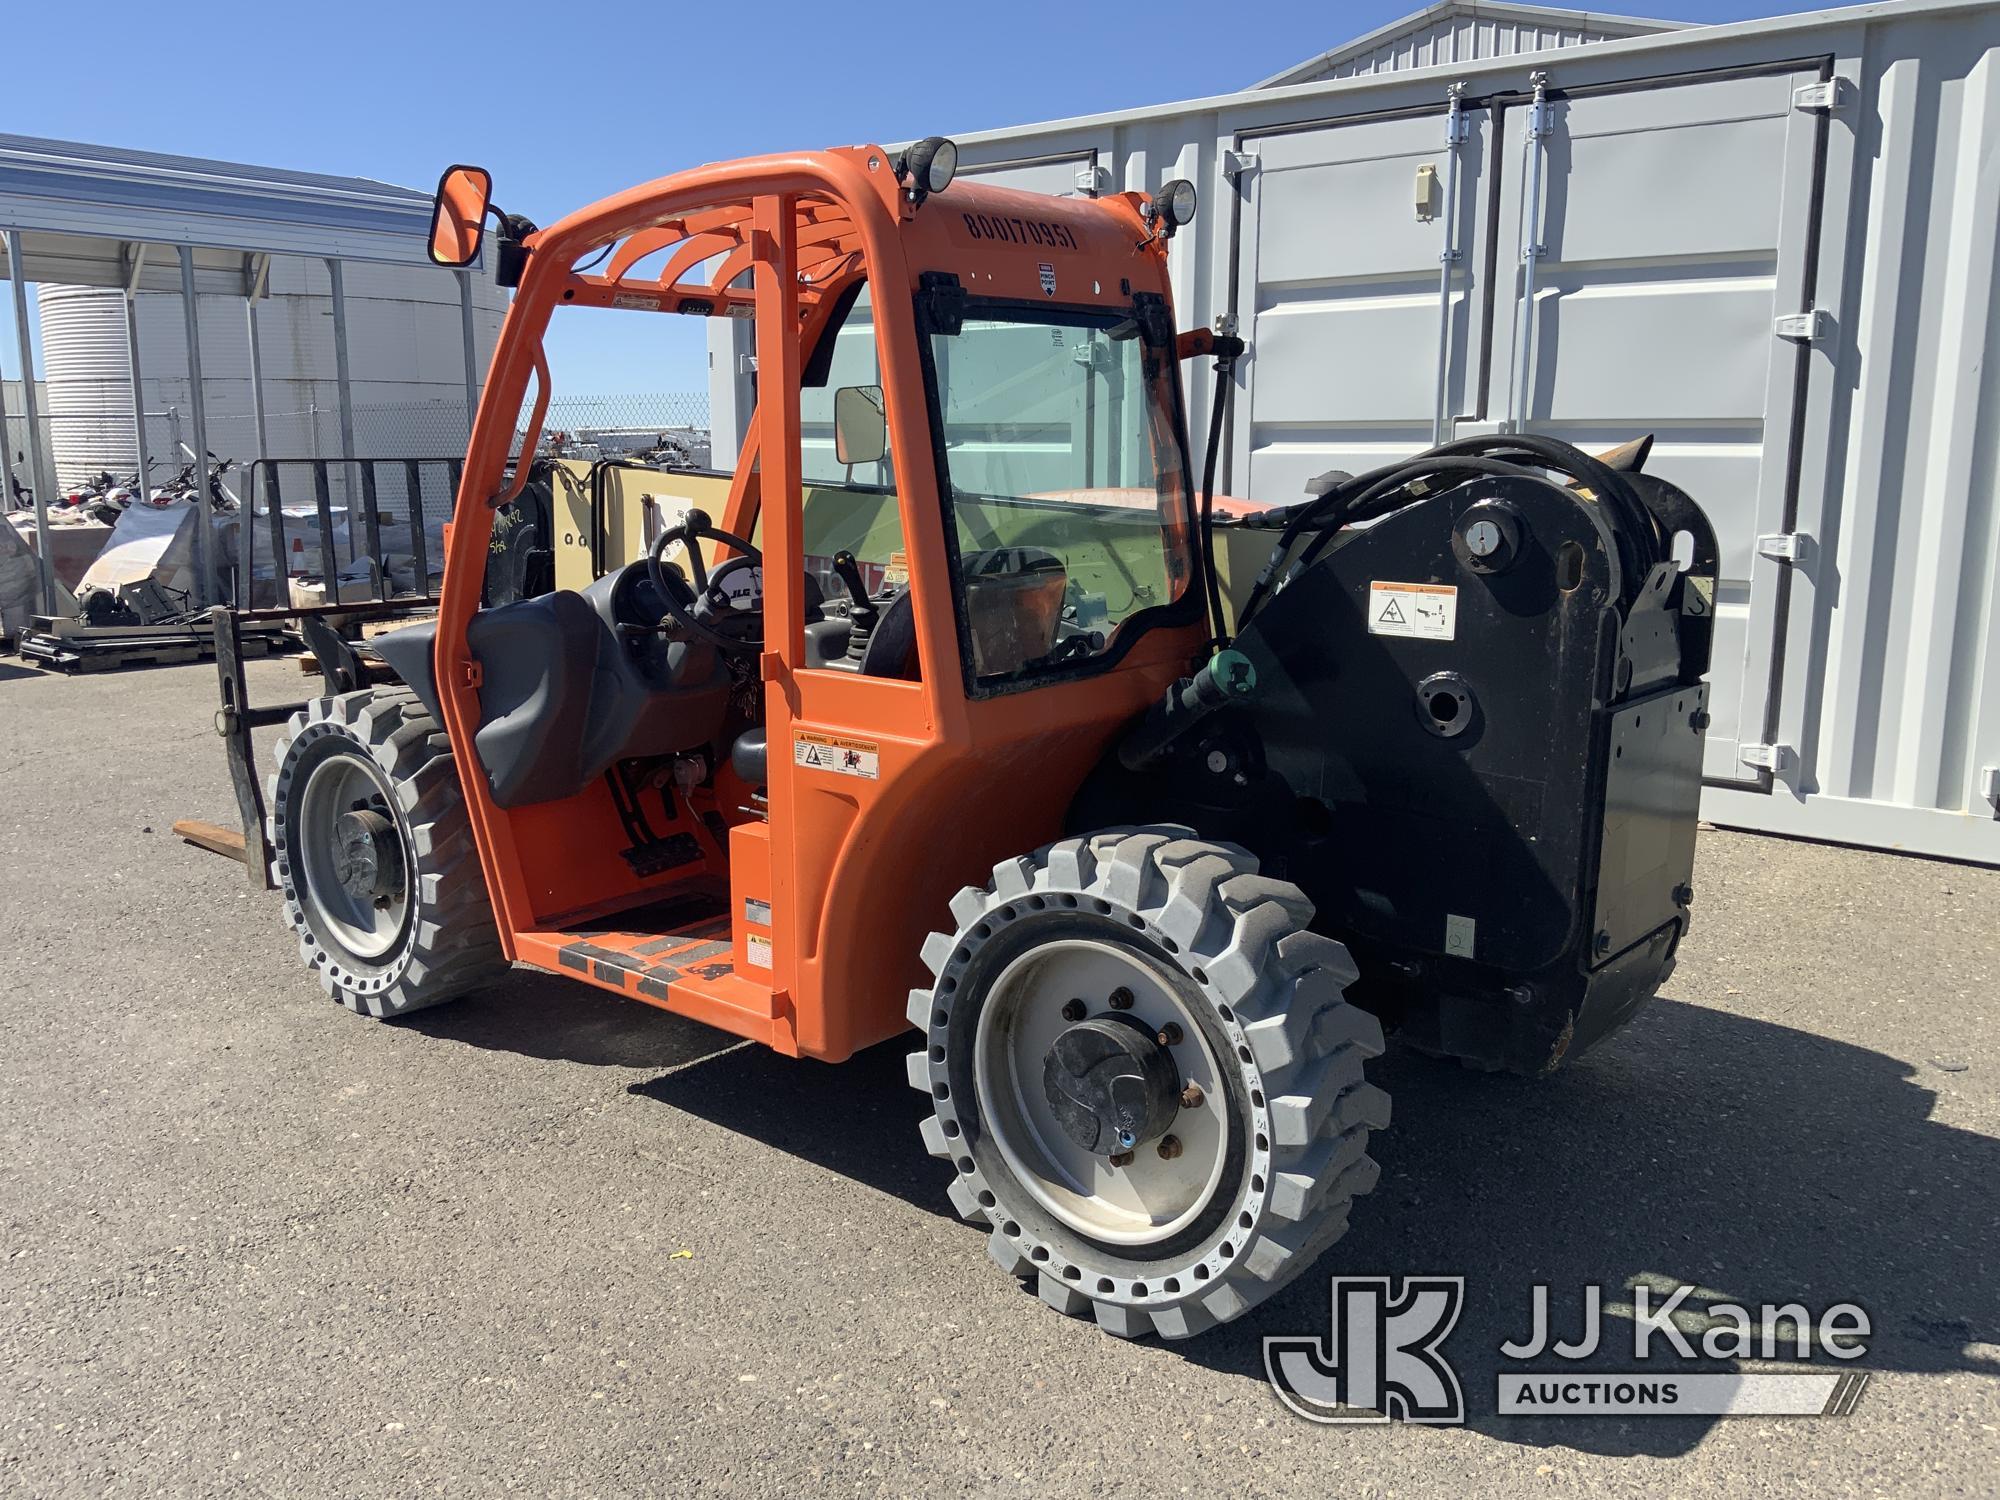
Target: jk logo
point(1380, 1358)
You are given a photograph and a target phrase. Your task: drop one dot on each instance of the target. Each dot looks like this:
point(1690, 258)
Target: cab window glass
point(848, 507)
point(1067, 486)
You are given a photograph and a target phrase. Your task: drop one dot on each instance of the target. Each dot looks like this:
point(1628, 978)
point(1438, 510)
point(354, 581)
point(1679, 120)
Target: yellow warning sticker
point(1421, 611)
point(757, 948)
point(844, 757)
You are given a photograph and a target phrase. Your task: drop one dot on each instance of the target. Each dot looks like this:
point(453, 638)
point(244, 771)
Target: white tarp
point(18, 597)
point(148, 542)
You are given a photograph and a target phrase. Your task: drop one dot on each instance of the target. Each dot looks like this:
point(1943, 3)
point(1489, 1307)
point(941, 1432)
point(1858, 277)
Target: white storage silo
point(87, 396)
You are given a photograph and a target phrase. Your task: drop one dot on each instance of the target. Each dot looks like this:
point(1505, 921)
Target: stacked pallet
point(67, 646)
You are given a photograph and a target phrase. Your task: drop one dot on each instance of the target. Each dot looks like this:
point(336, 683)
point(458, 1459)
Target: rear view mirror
point(459, 214)
point(860, 431)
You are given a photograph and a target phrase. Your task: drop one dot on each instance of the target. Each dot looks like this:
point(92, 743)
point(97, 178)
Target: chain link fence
point(410, 501)
point(76, 445)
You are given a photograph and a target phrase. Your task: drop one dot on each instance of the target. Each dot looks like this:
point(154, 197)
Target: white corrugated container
point(1772, 243)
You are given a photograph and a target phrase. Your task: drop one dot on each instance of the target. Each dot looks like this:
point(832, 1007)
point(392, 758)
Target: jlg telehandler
point(951, 720)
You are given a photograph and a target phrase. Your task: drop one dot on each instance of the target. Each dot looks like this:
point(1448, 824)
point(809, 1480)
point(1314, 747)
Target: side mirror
point(860, 430)
point(459, 214)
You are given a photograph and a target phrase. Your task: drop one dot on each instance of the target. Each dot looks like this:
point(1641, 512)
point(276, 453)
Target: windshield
point(1068, 490)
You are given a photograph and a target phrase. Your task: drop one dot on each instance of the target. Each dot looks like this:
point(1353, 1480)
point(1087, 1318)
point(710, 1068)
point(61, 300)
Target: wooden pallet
point(65, 646)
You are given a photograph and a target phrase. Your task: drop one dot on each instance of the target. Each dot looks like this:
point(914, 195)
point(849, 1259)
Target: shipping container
point(1772, 244)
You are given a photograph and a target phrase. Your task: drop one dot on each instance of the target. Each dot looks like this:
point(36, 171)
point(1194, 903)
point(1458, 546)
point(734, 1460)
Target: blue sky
point(566, 104)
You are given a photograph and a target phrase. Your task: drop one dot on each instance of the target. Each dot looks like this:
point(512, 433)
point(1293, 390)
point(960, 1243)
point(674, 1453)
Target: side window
point(849, 506)
point(1067, 487)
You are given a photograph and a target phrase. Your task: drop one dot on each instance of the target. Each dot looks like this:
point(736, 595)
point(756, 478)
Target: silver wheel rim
point(368, 929)
point(1153, 1197)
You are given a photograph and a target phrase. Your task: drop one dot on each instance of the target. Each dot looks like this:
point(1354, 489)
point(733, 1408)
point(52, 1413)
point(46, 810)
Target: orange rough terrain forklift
point(1150, 868)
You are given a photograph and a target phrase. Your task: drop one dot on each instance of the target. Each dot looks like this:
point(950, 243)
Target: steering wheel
point(692, 528)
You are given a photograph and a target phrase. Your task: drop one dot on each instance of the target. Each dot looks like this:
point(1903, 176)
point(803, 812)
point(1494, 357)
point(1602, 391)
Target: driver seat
point(891, 651)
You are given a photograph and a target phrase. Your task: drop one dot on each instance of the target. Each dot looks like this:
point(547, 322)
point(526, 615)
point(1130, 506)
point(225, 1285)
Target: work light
point(1175, 202)
point(928, 166)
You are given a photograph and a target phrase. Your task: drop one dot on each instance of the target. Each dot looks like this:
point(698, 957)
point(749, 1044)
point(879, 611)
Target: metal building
point(407, 378)
point(314, 272)
point(1772, 243)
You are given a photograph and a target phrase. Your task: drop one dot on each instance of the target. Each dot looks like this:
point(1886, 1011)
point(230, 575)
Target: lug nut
point(1121, 1158)
point(1191, 1096)
point(1121, 998)
point(1074, 1010)
point(1170, 1147)
point(1170, 1035)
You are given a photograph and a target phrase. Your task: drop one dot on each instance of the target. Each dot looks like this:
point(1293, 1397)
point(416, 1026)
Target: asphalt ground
point(549, 1242)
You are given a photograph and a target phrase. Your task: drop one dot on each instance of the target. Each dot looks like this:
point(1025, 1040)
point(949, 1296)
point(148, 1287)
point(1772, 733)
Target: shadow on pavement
point(552, 1017)
point(1759, 1162)
point(1756, 1162)
point(859, 1119)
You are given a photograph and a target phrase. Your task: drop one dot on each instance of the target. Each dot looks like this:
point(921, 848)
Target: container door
point(1674, 223)
point(1339, 292)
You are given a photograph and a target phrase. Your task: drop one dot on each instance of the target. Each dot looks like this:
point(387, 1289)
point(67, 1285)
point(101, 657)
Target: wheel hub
point(1111, 1085)
point(367, 859)
point(1061, 1080)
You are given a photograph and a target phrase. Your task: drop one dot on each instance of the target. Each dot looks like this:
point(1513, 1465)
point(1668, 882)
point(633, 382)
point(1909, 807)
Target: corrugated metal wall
point(1456, 39)
point(1692, 197)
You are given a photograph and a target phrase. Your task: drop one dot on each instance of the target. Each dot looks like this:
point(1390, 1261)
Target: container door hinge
point(1808, 326)
point(1773, 758)
point(1989, 786)
point(1236, 165)
point(746, 364)
point(1090, 179)
point(1785, 546)
point(1828, 95)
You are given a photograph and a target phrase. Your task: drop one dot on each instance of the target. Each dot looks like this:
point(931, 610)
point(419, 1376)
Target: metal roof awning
point(79, 208)
point(80, 215)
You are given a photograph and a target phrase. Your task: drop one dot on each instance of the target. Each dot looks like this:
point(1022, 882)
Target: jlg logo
point(1380, 1358)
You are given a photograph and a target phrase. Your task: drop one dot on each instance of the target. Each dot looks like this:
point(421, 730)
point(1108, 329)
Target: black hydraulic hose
point(1505, 453)
point(1638, 524)
point(1385, 495)
point(1225, 380)
point(1339, 507)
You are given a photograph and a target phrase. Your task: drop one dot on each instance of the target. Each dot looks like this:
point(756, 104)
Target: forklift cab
point(968, 399)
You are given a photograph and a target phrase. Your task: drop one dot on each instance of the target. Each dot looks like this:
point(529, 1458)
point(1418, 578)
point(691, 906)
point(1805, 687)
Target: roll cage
point(787, 239)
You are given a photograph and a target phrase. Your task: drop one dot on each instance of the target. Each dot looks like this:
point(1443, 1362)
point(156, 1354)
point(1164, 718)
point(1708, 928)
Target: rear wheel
point(1146, 1077)
point(373, 851)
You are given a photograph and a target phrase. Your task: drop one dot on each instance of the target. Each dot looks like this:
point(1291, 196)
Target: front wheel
point(1146, 1078)
point(373, 851)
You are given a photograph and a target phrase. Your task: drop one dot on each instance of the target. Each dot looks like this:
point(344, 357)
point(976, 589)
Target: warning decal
point(757, 948)
point(1422, 611)
point(828, 752)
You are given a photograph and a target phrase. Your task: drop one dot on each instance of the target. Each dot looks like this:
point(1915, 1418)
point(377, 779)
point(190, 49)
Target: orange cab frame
point(825, 919)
